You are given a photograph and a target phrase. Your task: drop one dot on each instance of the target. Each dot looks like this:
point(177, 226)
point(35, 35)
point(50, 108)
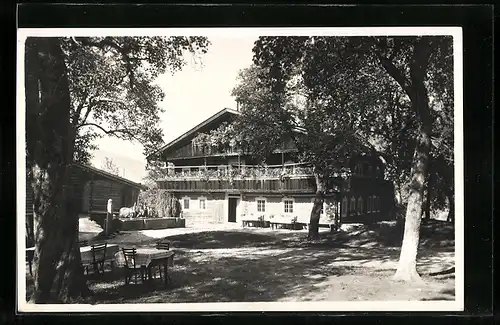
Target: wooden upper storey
point(188, 159)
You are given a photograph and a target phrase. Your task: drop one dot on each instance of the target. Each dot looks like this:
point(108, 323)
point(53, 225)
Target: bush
point(159, 203)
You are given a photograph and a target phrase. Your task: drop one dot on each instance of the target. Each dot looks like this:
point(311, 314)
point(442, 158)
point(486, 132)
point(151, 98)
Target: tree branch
point(78, 111)
point(396, 74)
point(114, 132)
point(109, 42)
point(87, 113)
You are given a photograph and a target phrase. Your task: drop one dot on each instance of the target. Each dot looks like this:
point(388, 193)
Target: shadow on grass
point(444, 294)
point(260, 265)
point(231, 266)
point(200, 277)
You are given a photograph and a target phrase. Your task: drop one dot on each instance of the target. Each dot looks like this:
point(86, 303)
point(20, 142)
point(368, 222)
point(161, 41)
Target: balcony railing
point(274, 178)
point(289, 185)
point(237, 171)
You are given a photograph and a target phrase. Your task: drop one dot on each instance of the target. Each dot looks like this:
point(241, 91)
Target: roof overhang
point(213, 118)
point(110, 176)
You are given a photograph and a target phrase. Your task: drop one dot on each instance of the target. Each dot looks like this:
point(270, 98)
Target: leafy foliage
point(381, 93)
point(159, 204)
point(348, 84)
point(112, 86)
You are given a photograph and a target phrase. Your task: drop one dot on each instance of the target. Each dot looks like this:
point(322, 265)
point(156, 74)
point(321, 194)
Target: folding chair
point(161, 244)
point(131, 268)
point(99, 257)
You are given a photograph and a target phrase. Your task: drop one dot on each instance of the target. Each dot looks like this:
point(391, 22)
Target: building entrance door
point(232, 204)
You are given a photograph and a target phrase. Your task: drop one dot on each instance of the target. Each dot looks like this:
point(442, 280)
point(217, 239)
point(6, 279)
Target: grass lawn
point(232, 264)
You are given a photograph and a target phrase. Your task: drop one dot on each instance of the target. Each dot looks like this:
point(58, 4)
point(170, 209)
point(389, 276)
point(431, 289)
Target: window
point(352, 208)
point(369, 203)
point(261, 205)
point(344, 206)
point(360, 205)
point(288, 205)
point(202, 203)
point(377, 172)
point(185, 203)
point(369, 172)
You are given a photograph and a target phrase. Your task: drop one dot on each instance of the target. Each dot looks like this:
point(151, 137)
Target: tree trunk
point(315, 212)
point(426, 211)
point(57, 274)
point(407, 266)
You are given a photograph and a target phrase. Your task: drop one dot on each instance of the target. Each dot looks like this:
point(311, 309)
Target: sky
point(191, 96)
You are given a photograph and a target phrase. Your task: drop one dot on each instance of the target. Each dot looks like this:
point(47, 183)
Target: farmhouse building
point(220, 185)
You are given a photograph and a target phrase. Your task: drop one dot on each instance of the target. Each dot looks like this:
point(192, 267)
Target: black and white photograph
point(240, 169)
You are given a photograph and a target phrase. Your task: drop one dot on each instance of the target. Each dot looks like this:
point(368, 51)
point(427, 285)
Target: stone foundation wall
point(154, 223)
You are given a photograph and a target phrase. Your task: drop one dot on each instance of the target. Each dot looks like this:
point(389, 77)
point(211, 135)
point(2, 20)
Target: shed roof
point(108, 175)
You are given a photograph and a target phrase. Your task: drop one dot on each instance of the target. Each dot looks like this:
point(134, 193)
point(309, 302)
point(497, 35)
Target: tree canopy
point(78, 89)
point(392, 94)
point(112, 86)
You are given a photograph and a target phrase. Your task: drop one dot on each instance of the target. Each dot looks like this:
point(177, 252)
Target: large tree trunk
point(58, 276)
point(407, 266)
point(318, 204)
point(426, 211)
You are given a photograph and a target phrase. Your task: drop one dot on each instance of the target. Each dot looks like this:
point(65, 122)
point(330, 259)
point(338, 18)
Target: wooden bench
point(253, 221)
point(323, 223)
point(283, 221)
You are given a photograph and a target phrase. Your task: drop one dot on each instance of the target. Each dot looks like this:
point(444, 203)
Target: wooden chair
point(131, 269)
point(163, 244)
point(99, 257)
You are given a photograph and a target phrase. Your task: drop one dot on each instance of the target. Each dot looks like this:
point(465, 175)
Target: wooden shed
point(92, 189)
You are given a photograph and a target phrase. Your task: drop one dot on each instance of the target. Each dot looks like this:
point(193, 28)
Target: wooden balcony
point(192, 150)
point(245, 185)
point(287, 178)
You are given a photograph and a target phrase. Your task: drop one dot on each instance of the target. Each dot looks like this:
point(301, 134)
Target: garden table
point(149, 258)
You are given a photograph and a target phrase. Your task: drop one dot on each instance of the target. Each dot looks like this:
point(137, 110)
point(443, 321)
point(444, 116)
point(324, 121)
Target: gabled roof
point(113, 177)
point(212, 119)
